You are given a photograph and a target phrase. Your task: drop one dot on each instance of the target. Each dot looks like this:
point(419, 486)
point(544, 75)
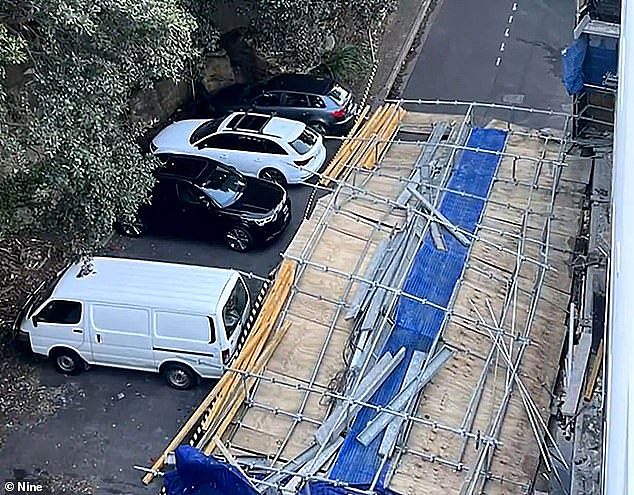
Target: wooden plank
point(447, 397)
point(592, 379)
point(214, 401)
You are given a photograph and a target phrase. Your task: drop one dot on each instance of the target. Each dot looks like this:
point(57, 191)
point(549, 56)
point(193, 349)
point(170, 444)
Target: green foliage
point(206, 36)
point(69, 161)
point(70, 164)
point(344, 63)
point(295, 32)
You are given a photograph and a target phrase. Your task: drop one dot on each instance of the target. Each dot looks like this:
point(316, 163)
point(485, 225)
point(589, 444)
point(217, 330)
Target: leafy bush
point(70, 164)
point(294, 32)
point(344, 63)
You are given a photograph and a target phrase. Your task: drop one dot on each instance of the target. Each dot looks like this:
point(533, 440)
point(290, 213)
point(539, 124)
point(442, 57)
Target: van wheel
point(179, 376)
point(67, 362)
point(239, 239)
point(274, 175)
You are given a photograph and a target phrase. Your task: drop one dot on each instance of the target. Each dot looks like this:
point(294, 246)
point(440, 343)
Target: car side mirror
point(35, 320)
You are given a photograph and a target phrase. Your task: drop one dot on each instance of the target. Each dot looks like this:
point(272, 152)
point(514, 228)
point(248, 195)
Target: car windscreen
point(223, 185)
point(205, 130)
point(338, 94)
point(305, 142)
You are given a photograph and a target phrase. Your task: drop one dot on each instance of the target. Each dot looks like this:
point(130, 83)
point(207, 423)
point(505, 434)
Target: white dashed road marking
point(507, 33)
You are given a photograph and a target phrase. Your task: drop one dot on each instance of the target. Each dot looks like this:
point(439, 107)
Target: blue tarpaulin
point(573, 58)
point(601, 58)
point(433, 277)
point(198, 474)
point(587, 61)
point(323, 488)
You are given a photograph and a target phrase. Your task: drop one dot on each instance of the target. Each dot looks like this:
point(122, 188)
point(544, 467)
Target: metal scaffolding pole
point(508, 333)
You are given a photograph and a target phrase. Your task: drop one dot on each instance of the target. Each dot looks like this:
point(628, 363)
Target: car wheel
point(179, 376)
point(273, 175)
point(239, 239)
point(67, 362)
point(133, 229)
point(319, 128)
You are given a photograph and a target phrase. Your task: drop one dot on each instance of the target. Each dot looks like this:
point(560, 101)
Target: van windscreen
point(235, 308)
point(41, 294)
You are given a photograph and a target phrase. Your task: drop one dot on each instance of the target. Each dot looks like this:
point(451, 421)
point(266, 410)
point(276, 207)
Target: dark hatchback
point(320, 102)
point(199, 195)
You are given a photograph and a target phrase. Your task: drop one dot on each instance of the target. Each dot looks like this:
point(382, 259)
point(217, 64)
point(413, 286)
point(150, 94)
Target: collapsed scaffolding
point(413, 339)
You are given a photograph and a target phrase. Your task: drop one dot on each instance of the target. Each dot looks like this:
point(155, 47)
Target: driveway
point(93, 428)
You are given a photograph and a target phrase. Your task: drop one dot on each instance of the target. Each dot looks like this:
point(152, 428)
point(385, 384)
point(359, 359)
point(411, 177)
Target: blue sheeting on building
point(323, 488)
point(433, 276)
point(587, 61)
point(601, 58)
point(573, 58)
point(198, 474)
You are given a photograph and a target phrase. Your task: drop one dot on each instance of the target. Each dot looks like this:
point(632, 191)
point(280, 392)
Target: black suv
point(204, 196)
point(317, 101)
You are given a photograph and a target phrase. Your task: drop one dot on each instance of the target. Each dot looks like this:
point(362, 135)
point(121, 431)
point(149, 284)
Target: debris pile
point(24, 263)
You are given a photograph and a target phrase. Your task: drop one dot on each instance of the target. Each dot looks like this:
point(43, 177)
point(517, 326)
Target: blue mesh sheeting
point(323, 488)
point(199, 474)
point(433, 276)
point(601, 57)
point(573, 57)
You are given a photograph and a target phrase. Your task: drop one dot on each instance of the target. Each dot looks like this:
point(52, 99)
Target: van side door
point(187, 338)
point(61, 323)
point(121, 336)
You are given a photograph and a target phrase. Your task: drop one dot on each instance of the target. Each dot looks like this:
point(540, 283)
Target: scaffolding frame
point(386, 217)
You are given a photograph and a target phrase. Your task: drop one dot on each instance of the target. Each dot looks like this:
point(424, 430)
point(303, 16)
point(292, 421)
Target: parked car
point(271, 148)
point(182, 321)
point(201, 195)
point(322, 103)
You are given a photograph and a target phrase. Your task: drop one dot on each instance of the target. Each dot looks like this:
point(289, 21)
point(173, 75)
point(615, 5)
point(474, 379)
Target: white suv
point(272, 148)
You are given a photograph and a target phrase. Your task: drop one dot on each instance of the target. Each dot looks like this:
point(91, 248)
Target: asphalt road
point(114, 420)
point(497, 51)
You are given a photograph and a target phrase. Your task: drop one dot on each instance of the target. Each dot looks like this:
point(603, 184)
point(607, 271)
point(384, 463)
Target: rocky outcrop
point(217, 71)
point(247, 65)
point(161, 102)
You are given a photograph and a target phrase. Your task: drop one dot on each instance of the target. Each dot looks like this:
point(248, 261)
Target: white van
point(180, 320)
